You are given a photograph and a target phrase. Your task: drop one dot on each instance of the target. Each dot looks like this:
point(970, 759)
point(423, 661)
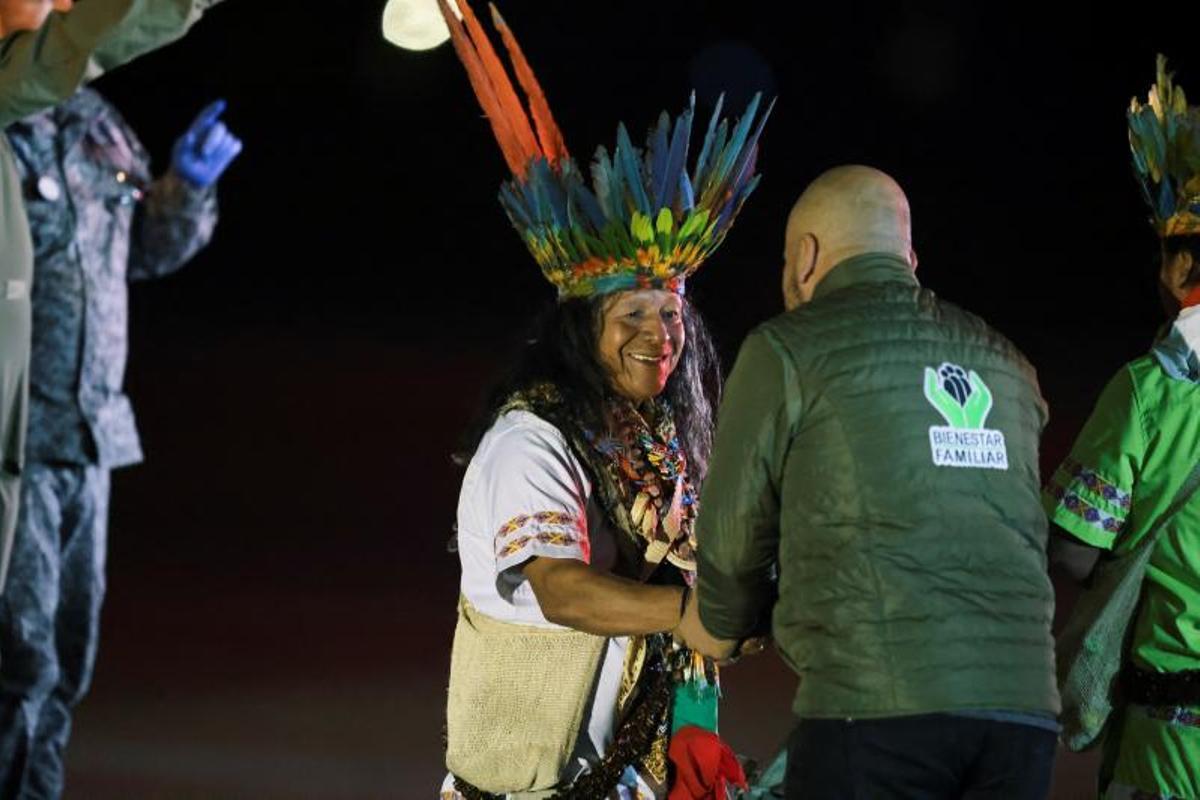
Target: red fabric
point(1193, 298)
point(704, 765)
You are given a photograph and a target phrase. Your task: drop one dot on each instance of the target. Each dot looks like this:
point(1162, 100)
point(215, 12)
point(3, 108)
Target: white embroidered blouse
point(525, 494)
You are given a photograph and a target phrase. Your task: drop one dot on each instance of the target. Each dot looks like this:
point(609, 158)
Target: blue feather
point(1166, 200)
point(529, 200)
point(601, 176)
point(591, 207)
point(705, 180)
point(744, 192)
point(687, 196)
point(735, 205)
point(627, 156)
point(706, 148)
point(615, 208)
point(724, 220)
point(515, 206)
point(516, 223)
point(750, 155)
point(736, 140)
point(552, 200)
point(609, 183)
point(657, 158)
point(676, 160)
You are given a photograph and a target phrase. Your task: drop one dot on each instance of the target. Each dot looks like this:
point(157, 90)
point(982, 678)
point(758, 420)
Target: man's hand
point(691, 632)
point(27, 15)
point(206, 149)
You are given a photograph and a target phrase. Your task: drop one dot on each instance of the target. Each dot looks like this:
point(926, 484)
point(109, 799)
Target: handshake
point(691, 632)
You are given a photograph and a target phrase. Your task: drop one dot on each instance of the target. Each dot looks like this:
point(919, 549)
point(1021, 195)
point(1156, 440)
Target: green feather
point(665, 222)
point(641, 228)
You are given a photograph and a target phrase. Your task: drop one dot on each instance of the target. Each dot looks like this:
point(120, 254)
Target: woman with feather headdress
point(576, 512)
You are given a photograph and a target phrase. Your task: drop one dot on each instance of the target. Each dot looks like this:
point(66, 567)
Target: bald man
point(873, 500)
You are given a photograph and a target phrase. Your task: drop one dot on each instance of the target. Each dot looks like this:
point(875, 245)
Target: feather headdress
point(1164, 137)
point(647, 221)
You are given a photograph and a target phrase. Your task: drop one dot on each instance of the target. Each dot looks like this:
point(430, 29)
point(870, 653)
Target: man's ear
point(807, 260)
point(799, 264)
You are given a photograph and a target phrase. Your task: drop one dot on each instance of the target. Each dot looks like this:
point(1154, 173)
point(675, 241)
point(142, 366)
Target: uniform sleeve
point(1089, 495)
point(175, 221)
point(534, 497)
point(737, 529)
point(39, 69)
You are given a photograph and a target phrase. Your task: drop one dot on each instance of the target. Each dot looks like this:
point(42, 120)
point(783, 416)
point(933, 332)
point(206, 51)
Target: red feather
point(551, 139)
point(514, 154)
point(518, 133)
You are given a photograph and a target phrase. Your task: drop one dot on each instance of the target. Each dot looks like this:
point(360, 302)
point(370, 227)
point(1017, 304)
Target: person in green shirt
point(874, 495)
point(1126, 467)
point(47, 49)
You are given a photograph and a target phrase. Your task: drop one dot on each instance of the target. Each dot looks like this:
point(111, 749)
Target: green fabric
point(1157, 755)
point(16, 256)
point(1091, 648)
point(41, 68)
point(904, 586)
point(1124, 470)
point(695, 705)
point(770, 783)
point(16, 274)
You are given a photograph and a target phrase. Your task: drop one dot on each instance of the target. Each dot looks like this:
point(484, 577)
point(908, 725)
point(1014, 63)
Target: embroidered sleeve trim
point(1173, 715)
point(542, 529)
point(1085, 494)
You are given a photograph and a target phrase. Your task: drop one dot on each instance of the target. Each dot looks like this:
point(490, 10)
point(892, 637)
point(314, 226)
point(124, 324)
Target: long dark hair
point(561, 349)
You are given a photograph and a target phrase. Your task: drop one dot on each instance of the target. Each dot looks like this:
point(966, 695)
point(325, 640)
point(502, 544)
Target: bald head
point(845, 212)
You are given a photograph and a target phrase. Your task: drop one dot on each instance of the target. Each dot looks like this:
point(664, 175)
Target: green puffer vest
point(912, 540)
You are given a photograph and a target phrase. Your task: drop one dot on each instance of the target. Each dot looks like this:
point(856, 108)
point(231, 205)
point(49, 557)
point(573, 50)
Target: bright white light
point(415, 24)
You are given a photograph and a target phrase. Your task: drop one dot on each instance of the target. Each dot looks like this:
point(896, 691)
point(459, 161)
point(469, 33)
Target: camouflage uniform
point(39, 69)
point(97, 221)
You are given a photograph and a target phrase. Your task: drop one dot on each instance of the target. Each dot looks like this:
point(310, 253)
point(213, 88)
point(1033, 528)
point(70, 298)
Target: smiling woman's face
point(641, 341)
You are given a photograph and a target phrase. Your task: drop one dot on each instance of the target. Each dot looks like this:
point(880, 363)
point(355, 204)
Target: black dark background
point(281, 601)
point(365, 200)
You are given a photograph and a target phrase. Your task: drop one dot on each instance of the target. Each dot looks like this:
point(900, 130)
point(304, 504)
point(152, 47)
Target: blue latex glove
point(206, 149)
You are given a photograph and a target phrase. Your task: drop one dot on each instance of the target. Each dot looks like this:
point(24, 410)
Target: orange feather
point(510, 104)
point(549, 135)
point(514, 154)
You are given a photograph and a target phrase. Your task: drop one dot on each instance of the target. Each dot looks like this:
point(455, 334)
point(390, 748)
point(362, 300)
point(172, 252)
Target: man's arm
point(1070, 555)
point(738, 525)
point(180, 211)
point(39, 69)
point(175, 222)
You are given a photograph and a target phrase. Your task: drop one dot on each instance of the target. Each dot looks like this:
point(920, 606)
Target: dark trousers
point(923, 757)
point(49, 623)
